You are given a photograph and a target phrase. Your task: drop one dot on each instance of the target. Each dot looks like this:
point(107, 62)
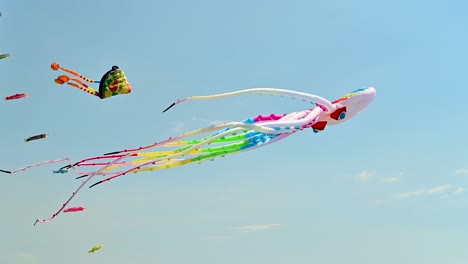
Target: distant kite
point(95, 248)
point(3, 56)
point(36, 137)
point(62, 171)
point(16, 96)
point(74, 209)
point(113, 82)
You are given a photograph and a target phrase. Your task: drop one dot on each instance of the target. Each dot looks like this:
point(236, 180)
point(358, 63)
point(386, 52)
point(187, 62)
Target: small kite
point(74, 209)
point(113, 82)
point(3, 56)
point(95, 248)
point(36, 137)
point(16, 96)
point(229, 138)
point(62, 171)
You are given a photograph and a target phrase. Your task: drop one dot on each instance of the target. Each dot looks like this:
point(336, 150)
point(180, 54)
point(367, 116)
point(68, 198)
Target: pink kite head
point(350, 105)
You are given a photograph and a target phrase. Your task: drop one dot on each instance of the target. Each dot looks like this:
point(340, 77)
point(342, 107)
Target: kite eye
point(342, 115)
point(339, 114)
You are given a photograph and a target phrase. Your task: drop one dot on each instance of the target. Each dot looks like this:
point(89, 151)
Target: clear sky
point(386, 187)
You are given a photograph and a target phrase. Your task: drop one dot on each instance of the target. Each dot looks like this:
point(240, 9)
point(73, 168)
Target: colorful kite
point(95, 248)
point(16, 96)
point(232, 137)
point(3, 56)
point(36, 137)
point(114, 82)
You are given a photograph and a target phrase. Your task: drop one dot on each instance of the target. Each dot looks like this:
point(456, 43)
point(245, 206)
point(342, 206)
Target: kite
point(62, 171)
point(16, 96)
point(74, 209)
point(95, 248)
point(3, 56)
point(113, 82)
point(230, 138)
point(36, 137)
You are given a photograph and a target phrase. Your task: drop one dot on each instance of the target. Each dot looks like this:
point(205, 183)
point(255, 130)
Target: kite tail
point(68, 160)
point(303, 119)
point(75, 192)
point(249, 140)
point(82, 162)
point(56, 66)
point(37, 165)
point(62, 79)
point(168, 157)
point(323, 103)
point(263, 129)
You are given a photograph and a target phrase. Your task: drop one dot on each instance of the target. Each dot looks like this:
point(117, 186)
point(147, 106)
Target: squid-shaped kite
point(113, 82)
point(231, 137)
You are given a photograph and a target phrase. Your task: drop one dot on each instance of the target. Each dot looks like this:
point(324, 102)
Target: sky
point(386, 187)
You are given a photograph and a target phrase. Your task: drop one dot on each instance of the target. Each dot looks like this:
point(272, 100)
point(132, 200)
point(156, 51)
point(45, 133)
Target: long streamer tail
point(56, 66)
point(37, 165)
point(326, 105)
point(74, 194)
point(68, 160)
point(246, 140)
point(291, 122)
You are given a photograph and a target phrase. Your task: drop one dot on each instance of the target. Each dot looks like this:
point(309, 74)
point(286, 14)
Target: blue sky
point(386, 187)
